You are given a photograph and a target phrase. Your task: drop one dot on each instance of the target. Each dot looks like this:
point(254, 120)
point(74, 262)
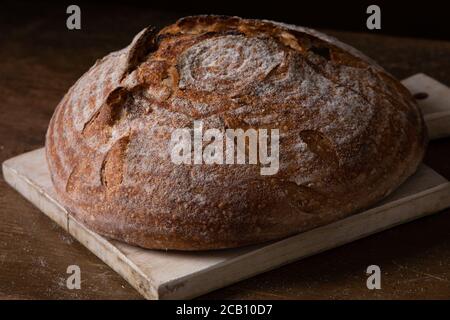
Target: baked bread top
point(349, 134)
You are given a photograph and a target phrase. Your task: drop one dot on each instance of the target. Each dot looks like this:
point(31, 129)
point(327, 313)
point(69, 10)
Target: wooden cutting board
point(181, 275)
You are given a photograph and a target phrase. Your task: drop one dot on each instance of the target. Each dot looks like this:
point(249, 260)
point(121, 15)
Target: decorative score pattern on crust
point(350, 134)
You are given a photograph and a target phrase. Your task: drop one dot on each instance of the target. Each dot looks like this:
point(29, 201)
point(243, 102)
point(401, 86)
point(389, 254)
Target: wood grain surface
point(161, 274)
point(39, 61)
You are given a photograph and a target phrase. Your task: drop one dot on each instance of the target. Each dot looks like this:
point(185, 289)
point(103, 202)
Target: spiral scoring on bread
point(228, 62)
point(337, 118)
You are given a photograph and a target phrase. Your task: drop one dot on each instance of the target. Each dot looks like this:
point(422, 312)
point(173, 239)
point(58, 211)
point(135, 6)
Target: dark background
point(424, 19)
point(428, 19)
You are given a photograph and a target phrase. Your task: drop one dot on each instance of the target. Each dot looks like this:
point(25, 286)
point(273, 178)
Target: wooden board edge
point(437, 122)
point(174, 289)
point(293, 248)
point(21, 184)
point(419, 75)
point(105, 251)
point(114, 258)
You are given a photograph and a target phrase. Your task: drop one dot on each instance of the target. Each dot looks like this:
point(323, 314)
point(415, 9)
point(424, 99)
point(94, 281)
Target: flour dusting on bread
point(349, 134)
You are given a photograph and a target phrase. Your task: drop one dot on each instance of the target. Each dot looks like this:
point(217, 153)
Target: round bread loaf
point(349, 134)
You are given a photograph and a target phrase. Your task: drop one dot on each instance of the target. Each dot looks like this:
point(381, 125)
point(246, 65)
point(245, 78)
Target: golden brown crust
point(349, 134)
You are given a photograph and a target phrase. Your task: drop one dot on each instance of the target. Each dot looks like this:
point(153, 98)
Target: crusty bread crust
point(349, 134)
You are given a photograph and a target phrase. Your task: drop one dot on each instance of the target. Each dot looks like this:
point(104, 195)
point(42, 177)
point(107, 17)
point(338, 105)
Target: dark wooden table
point(40, 59)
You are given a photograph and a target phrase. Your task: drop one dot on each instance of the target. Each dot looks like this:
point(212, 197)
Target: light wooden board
point(436, 107)
point(171, 275)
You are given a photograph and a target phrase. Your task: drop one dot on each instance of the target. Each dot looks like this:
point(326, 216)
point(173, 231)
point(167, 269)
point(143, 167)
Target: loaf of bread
point(349, 134)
